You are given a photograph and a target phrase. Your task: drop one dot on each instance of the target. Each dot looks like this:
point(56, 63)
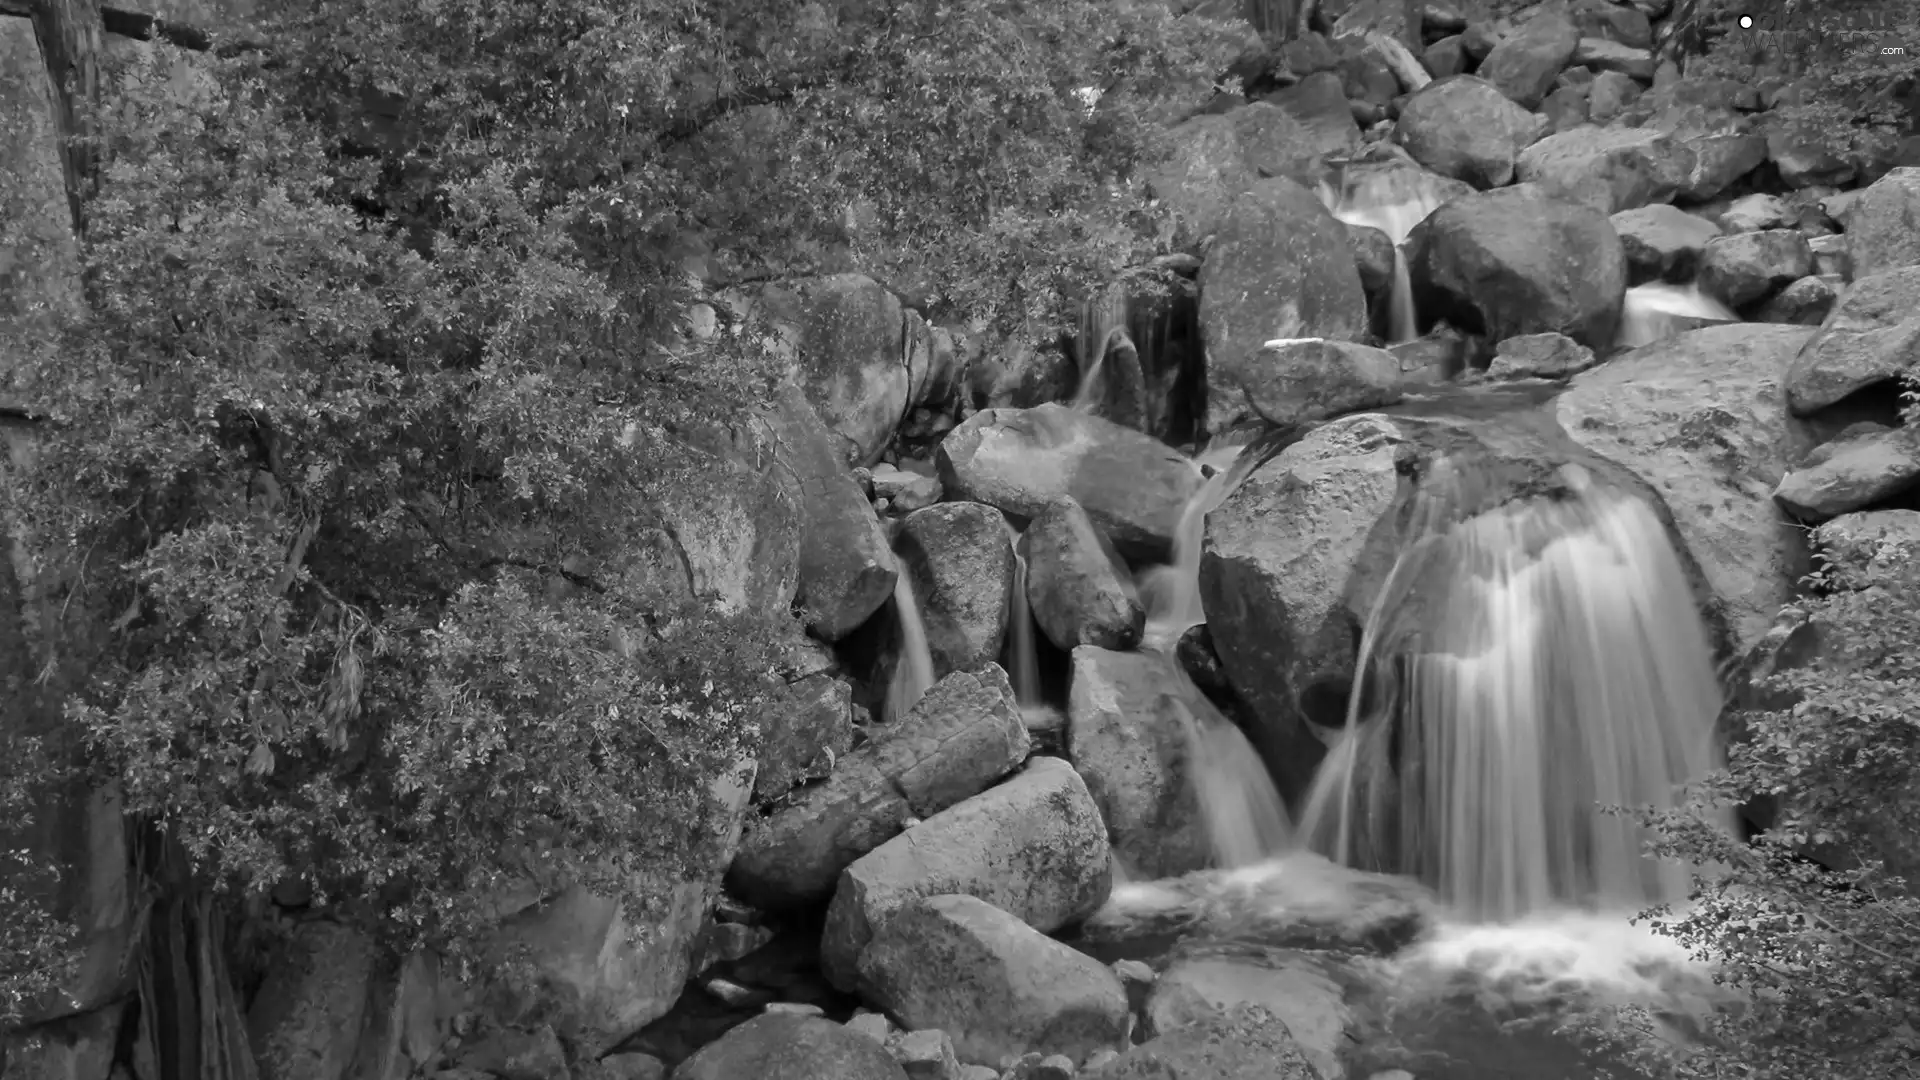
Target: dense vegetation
point(347, 454)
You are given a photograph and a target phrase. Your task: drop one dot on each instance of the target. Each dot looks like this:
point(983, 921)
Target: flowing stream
point(1393, 200)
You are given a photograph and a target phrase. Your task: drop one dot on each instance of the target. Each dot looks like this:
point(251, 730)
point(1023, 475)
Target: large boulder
point(1245, 1043)
point(1700, 417)
point(999, 987)
point(1077, 587)
point(846, 569)
point(1280, 268)
point(1525, 63)
point(1130, 734)
point(1747, 267)
point(962, 735)
point(1608, 169)
point(1306, 991)
point(1883, 224)
point(788, 1046)
point(1306, 380)
point(1516, 261)
point(1856, 475)
point(306, 1019)
point(1465, 128)
point(961, 559)
point(1022, 460)
point(1661, 242)
point(1871, 339)
point(1034, 847)
point(844, 334)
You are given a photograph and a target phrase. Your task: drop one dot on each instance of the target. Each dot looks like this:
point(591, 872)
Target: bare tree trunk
point(70, 34)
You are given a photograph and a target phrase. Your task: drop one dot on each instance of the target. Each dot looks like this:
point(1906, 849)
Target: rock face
point(1128, 732)
point(1247, 1043)
point(1512, 262)
point(1608, 169)
point(999, 987)
point(846, 332)
point(961, 560)
point(1871, 338)
point(1307, 380)
point(1021, 460)
point(1076, 586)
point(1034, 847)
point(846, 568)
point(783, 1046)
point(1465, 128)
point(962, 735)
point(1883, 226)
point(1699, 417)
point(305, 1021)
point(1280, 268)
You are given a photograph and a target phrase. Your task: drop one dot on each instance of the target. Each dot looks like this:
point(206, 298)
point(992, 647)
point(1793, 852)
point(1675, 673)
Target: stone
point(1601, 54)
point(1851, 543)
point(1748, 267)
point(306, 1019)
point(1661, 242)
point(905, 491)
point(1861, 473)
point(1481, 35)
point(1613, 22)
point(925, 1055)
point(1247, 1043)
point(1280, 134)
point(1515, 261)
point(1830, 256)
point(1307, 380)
point(1720, 160)
point(803, 731)
point(1526, 62)
point(1540, 356)
point(962, 735)
point(1129, 720)
point(1871, 338)
point(775, 1046)
point(1446, 57)
point(961, 559)
point(873, 1025)
point(1202, 174)
point(1303, 990)
point(1034, 847)
point(1698, 416)
point(633, 1066)
point(1883, 224)
point(794, 1008)
point(1608, 169)
point(1566, 109)
point(1373, 256)
point(1465, 128)
point(1752, 213)
point(1133, 486)
point(1806, 302)
point(844, 334)
point(1280, 268)
point(1610, 96)
point(995, 985)
point(1078, 588)
point(517, 1054)
point(1802, 150)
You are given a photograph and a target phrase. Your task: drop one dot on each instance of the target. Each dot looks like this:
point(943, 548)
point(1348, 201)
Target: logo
point(1800, 25)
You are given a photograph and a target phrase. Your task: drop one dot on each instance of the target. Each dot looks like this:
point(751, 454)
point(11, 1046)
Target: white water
point(1170, 592)
point(913, 672)
point(1023, 660)
point(1393, 200)
point(1660, 310)
point(1543, 659)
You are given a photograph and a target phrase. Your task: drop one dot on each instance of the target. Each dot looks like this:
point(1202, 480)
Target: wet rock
point(1077, 586)
point(844, 332)
point(1850, 543)
point(1744, 268)
point(517, 1054)
point(1372, 256)
point(1752, 213)
point(906, 491)
point(1526, 62)
point(1806, 302)
point(1872, 337)
point(804, 730)
point(1608, 169)
point(774, 1046)
point(1540, 356)
point(1307, 380)
point(1863, 472)
point(846, 568)
point(1302, 990)
point(1883, 224)
point(1661, 242)
point(997, 986)
point(305, 1021)
point(962, 735)
point(962, 564)
point(1601, 54)
point(1034, 847)
point(1248, 1043)
point(1611, 95)
point(1202, 664)
point(1465, 128)
point(1129, 726)
point(1698, 417)
point(1281, 268)
point(1020, 460)
point(1511, 262)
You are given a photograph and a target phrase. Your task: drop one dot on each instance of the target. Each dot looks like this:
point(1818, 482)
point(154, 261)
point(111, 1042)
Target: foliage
point(1816, 925)
point(344, 500)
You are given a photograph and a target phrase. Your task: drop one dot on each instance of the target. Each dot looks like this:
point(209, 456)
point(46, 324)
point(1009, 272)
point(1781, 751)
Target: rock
point(1803, 152)
point(1021, 460)
point(925, 1055)
point(1280, 134)
point(1864, 472)
point(997, 986)
point(1203, 173)
point(1248, 1043)
point(1301, 989)
point(1850, 543)
point(1465, 128)
point(1883, 224)
point(1611, 94)
point(1281, 268)
point(845, 333)
point(961, 559)
point(1015, 373)
point(1306, 380)
point(1613, 22)
point(873, 1025)
point(1373, 256)
point(1698, 417)
point(1830, 257)
point(1600, 54)
point(1446, 57)
point(1752, 213)
point(1481, 35)
point(631, 1067)
point(846, 569)
point(1566, 109)
point(1034, 847)
point(76, 1046)
point(1872, 337)
point(1744, 268)
point(1129, 725)
point(1077, 587)
point(775, 1046)
point(1662, 243)
point(803, 731)
point(1806, 302)
point(962, 735)
point(1719, 161)
point(1513, 262)
point(516, 1054)
point(1525, 63)
point(906, 491)
point(1608, 169)
point(1540, 356)
point(305, 1021)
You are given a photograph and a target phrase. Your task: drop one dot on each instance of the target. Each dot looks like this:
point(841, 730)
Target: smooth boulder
point(1524, 65)
point(1661, 242)
point(961, 560)
point(1077, 587)
point(1129, 718)
point(1465, 128)
point(846, 568)
point(1608, 169)
point(1745, 268)
point(1306, 380)
point(1858, 474)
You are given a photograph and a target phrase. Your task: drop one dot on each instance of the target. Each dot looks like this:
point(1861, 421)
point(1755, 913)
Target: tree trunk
point(70, 34)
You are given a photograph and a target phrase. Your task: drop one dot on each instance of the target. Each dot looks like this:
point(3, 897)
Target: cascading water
point(1170, 592)
point(1531, 664)
point(913, 674)
point(1393, 200)
point(1659, 310)
point(1023, 658)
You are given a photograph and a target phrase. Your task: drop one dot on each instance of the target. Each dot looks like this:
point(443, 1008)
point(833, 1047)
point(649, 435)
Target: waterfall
point(1527, 666)
point(1246, 818)
point(1393, 200)
point(1023, 661)
point(913, 673)
point(1171, 591)
point(1659, 310)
